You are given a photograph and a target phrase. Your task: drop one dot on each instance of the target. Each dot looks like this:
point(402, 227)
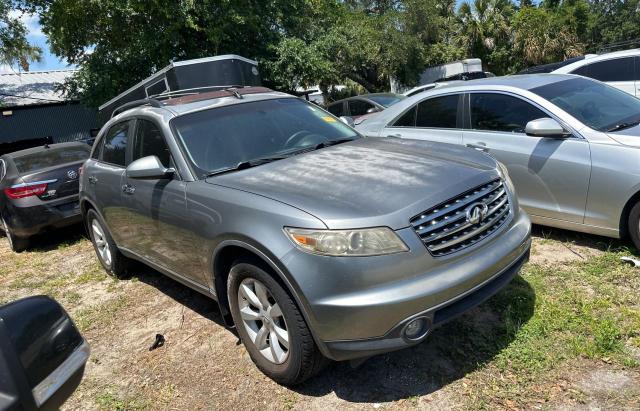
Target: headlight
point(363, 242)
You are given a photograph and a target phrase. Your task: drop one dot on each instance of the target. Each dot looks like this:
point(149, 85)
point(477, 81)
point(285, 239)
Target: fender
point(281, 271)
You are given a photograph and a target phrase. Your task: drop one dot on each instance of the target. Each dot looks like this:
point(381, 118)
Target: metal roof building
point(33, 111)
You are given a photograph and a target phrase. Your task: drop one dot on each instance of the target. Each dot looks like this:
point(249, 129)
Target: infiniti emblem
point(72, 174)
point(476, 213)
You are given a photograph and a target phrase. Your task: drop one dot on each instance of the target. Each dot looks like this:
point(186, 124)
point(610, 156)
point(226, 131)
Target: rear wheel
point(271, 326)
point(634, 225)
point(17, 244)
point(113, 261)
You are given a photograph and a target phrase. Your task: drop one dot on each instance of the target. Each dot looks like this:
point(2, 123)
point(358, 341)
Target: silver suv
point(315, 242)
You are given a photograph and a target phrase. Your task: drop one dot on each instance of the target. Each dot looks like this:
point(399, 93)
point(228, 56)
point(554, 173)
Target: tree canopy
point(116, 43)
point(15, 49)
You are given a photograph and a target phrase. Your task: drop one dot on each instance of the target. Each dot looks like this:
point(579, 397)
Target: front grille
point(445, 229)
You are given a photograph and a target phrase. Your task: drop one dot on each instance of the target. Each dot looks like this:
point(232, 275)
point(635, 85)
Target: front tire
point(113, 261)
point(271, 326)
point(17, 244)
point(633, 225)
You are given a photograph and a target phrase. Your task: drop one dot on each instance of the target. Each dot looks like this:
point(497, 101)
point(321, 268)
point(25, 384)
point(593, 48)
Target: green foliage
point(304, 43)
point(15, 49)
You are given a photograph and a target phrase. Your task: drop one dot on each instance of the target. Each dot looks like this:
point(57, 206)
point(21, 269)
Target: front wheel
point(17, 244)
point(634, 225)
point(110, 257)
point(271, 326)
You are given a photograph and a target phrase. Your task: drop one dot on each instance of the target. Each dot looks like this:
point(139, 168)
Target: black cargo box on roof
point(227, 70)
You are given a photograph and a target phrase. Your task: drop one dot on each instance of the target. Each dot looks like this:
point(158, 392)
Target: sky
point(37, 38)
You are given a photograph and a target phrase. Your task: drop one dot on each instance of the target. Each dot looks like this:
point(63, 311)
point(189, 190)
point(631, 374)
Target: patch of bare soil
point(555, 247)
point(596, 385)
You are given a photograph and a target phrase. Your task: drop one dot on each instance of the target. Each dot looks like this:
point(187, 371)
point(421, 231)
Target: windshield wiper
point(622, 126)
point(334, 142)
point(244, 165)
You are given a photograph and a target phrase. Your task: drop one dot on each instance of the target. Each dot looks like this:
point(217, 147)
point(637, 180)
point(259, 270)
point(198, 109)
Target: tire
point(633, 225)
point(17, 244)
point(113, 261)
point(302, 359)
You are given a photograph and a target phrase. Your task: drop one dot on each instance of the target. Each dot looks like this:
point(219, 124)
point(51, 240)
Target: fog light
point(415, 329)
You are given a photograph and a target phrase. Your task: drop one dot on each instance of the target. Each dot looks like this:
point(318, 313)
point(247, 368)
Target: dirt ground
point(537, 344)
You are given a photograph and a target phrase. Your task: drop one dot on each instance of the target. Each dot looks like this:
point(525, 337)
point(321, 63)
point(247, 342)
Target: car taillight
point(25, 190)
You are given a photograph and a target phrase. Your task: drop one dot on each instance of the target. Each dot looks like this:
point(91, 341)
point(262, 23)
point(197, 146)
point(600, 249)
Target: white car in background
point(620, 69)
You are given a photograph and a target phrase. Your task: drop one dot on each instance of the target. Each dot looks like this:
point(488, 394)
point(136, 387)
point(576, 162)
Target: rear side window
point(336, 109)
point(609, 70)
point(499, 112)
point(359, 107)
point(150, 142)
point(115, 144)
point(438, 112)
point(51, 157)
point(408, 119)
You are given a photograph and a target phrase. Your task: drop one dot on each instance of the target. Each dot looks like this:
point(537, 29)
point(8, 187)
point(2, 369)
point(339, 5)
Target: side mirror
point(545, 127)
point(348, 121)
point(42, 355)
point(149, 168)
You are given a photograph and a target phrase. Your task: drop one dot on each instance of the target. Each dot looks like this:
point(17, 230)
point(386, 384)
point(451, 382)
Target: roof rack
point(195, 90)
point(150, 101)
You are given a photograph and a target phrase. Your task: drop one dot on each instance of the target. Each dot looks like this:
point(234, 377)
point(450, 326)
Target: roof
point(548, 68)
point(522, 81)
point(32, 87)
point(187, 104)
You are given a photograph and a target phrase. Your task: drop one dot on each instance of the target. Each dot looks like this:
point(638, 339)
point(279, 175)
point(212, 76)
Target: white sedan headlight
point(362, 242)
point(502, 170)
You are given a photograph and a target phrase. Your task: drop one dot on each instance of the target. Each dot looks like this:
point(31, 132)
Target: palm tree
point(485, 25)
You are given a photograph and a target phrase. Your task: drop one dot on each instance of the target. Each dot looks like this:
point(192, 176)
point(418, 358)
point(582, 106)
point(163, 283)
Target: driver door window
point(499, 112)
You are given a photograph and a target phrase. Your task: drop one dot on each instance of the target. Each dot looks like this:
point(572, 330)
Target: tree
point(614, 21)
point(116, 43)
point(15, 49)
point(540, 37)
point(486, 32)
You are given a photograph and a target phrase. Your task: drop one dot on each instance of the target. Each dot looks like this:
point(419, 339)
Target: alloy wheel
point(104, 251)
point(263, 320)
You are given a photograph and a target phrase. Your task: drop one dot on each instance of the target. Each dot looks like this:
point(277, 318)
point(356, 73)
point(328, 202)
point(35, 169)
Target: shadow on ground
point(451, 351)
point(54, 239)
point(580, 239)
point(448, 354)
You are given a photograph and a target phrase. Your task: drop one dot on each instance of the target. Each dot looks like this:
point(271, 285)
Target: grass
point(583, 310)
point(101, 315)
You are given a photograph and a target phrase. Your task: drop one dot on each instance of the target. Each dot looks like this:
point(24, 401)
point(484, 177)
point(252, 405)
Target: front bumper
point(30, 218)
point(434, 317)
point(358, 306)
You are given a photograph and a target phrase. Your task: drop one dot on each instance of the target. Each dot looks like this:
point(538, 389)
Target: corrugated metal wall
point(63, 122)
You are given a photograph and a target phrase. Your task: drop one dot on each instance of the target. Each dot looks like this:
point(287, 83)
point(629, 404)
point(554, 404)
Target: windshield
point(386, 100)
point(597, 105)
point(51, 157)
point(222, 138)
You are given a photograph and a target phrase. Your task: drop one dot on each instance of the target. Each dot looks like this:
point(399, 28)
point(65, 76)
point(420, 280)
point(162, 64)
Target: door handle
point(128, 189)
point(92, 180)
point(479, 146)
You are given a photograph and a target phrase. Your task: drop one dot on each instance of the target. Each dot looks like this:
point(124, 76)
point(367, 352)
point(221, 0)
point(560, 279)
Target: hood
point(368, 182)
point(628, 137)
